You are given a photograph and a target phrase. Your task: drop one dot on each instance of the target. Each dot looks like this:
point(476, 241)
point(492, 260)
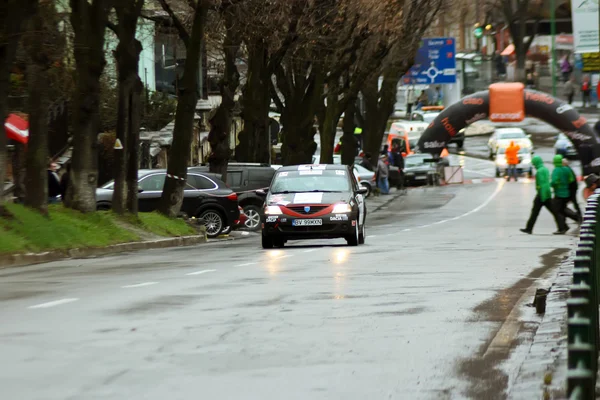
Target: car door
point(151, 187)
point(359, 198)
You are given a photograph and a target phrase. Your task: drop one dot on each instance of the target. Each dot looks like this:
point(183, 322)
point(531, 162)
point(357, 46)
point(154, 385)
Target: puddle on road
point(485, 379)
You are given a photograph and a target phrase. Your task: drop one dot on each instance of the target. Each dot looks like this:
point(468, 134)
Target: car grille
point(313, 209)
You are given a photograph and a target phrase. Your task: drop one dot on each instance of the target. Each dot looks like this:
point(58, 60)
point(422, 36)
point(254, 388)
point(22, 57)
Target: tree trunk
point(89, 22)
point(220, 123)
point(349, 142)
point(13, 15)
point(179, 154)
point(133, 144)
point(120, 155)
point(254, 140)
point(328, 125)
point(36, 194)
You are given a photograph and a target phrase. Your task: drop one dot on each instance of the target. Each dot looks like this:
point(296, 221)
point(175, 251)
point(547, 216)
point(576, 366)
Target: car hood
point(307, 198)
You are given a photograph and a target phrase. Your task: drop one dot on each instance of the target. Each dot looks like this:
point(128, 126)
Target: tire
point(226, 230)
point(103, 207)
point(530, 174)
point(460, 144)
point(253, 214)
point(278, 242)
point(362, 235)
point(267, 242)
point(368, 187)
point(213, 222)
point(352, 239)
point(497, 173)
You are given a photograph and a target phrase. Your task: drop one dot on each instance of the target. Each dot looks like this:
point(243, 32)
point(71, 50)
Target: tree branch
point(110, 25)
point(183, 33)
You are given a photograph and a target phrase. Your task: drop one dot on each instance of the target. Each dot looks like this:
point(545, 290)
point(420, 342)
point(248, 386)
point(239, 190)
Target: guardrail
point(582, 307)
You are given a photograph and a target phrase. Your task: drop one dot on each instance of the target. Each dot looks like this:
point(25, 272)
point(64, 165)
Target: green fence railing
point(582, 307)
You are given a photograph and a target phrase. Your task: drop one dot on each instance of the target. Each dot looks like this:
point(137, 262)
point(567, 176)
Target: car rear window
point(315, 180)
point(200, 182)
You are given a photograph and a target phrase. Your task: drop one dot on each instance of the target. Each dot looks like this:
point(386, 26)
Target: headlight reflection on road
point(340, 256)
point(273, 263)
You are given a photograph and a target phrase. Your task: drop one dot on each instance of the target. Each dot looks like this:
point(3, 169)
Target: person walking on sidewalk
point(512, 160)
point(570, 90)
point(573, 188)
point(586, 89)
point(383, 173)
point(543, 198)
point(561, 182)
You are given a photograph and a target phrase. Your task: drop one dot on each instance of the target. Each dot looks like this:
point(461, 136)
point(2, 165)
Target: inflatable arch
point(511, 102)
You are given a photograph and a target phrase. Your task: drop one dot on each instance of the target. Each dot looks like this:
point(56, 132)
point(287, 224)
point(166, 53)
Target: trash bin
point(540, 300)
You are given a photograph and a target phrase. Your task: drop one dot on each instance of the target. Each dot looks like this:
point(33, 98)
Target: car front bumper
point(332, 226)
point(521, 168)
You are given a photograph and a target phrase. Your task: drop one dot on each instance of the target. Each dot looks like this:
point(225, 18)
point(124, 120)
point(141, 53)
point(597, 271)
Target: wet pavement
point(424, 310)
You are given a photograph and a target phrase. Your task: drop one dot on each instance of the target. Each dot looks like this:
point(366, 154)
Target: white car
point(503, 136)
point(365, 178)
point(524, 166)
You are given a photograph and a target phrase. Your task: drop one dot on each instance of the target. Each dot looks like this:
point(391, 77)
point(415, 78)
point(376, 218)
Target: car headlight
point(501, 161)
point(342, 208)
point(527, 161)
point(272, 210)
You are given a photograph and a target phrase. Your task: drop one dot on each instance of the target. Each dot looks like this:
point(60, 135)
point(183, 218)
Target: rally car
point(313, 202)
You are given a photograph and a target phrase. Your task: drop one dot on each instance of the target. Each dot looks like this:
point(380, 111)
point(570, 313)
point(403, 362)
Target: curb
point(14, 260)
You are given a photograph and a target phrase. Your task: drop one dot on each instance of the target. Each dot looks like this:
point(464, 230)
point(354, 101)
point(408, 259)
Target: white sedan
point(502, 137)
point(524, 166)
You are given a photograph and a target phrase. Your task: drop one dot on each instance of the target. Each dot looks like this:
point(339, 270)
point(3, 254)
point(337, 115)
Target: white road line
point(53, 303)
point(371, 236)
point(246, 264)
point(204, 271)
point(309, 250)
point(139, 285)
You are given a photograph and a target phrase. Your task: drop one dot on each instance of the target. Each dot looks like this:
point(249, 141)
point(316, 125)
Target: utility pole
point(553, 34)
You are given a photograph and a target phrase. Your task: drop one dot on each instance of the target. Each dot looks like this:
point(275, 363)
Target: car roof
point(308, 166)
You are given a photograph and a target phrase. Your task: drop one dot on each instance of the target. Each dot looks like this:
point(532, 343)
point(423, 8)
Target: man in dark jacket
point(53, 183)
point(366, 162)
point(64, 181)
point(573, 188)
point(543, 199)
point(398, 161)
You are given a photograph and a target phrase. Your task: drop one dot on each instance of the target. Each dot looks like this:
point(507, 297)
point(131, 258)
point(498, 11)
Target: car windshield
point(416, 160)
point(430, 116)
point(512, 135)
point(311, 180)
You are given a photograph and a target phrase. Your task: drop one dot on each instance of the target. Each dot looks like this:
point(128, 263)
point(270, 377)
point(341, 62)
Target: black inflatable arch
point(539, 105)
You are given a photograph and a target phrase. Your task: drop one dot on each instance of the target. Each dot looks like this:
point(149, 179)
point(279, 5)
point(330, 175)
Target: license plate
point(307, 222)
point(420, 178)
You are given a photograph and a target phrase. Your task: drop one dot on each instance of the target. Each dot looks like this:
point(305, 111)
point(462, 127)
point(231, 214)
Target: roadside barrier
point(582, 308)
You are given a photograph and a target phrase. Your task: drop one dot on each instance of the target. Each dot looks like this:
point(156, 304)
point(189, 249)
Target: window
point(234, 178)
point(153, 183)
point(200, 182)
point(311, 181)
point(261, 176)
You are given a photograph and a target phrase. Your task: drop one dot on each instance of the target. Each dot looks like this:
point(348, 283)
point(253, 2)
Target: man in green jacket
point(562, 179)
point(543, 199)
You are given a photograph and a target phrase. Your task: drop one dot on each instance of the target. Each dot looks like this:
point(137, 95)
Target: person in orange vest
point(512, 160)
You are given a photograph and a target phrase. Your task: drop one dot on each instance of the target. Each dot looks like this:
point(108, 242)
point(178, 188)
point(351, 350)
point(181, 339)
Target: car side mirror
point(261, 192)
point(140, 190)
point(362, 190)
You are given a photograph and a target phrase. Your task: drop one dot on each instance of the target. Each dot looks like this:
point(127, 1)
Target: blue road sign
point(435, 63)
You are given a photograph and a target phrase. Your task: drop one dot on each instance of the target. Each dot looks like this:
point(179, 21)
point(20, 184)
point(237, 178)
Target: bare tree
point(89, 20)
point(43, 44)
point(13, 16)
point(127, 55)
point(188, 95)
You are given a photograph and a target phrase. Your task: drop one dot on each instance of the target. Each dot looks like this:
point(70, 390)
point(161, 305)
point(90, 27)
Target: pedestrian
point(591, 184)
point(565, 68)
point(53, 183)
point(422, 100)
point(65, 181)
point(561, 181)
point(573, 188)
point(586, 89)
point(366, 162)
point(543, 198)
point(570, 90)
point(500, 65)
point(383, 173)
point(438, 96)
point(512, 160)
point(398, 162)
point(410, 101)
point(530, 81)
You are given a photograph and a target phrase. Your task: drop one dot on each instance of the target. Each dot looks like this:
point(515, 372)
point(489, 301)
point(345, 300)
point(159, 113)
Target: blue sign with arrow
point(435, 63)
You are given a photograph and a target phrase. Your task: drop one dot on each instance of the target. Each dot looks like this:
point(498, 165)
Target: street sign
point(478, 32)
point(435, 63)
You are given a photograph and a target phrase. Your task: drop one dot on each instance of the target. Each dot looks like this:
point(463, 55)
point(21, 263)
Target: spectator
point(561, 182)
point(591, 184)
point(383, 173)
point(512, 160)
point(573, 187)
point(570, 90)
point(422, 100)
point(565, 68)
point(366, 162)
point(65, 181)
point(53, 183)
point(586, 89)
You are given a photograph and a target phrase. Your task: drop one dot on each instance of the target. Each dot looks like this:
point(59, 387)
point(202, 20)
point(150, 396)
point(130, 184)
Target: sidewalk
point(543, 372)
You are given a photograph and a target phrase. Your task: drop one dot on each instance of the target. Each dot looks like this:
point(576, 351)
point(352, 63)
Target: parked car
point(428, 114)
point(503, 136)
point(366, 178)
point(524, 166)
point(204, 197)
point(245, 179)
point(421, 168)
point(564, 147)
point(314, 202)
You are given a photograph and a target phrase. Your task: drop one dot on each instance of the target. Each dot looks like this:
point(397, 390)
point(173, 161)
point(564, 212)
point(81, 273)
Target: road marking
point(139, 285)
point(204, 271)
point(246, 264)
point(371, 236)
point(53, 303)
point(310, 250)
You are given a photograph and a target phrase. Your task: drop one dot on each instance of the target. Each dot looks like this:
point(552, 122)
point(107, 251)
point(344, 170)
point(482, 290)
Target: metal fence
point(582, 306)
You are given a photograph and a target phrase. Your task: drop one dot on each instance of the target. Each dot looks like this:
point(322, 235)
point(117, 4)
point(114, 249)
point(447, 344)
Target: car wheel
point(253, 214)
point(363, 234)
point(267, 242)
point(278, 242)
point(226, 230)
point(497, 173)
point(460, 144)
point(368, 187)
point(103, 207)
point(352, 239)
point(213, 222)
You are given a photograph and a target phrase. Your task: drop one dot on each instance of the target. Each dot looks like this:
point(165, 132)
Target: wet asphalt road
point(409, 315)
